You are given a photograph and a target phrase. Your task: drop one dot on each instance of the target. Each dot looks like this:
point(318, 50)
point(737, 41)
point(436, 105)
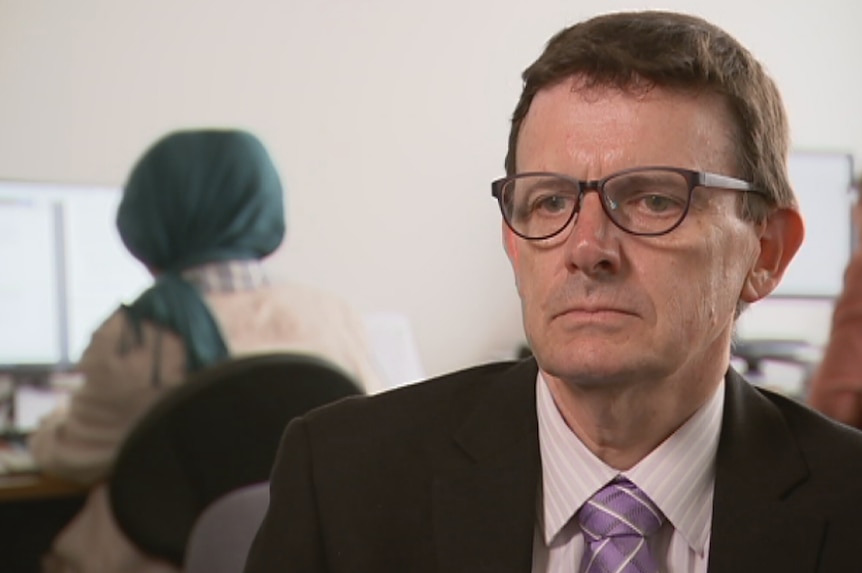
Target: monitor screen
point(822, 182)
point(64, 269)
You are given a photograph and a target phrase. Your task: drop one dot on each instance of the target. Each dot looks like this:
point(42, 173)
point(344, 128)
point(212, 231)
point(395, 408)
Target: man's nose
point(592, 245)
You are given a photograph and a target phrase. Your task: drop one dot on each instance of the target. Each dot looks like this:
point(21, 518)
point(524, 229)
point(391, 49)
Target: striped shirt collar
point(679, 475)
point(227, 276)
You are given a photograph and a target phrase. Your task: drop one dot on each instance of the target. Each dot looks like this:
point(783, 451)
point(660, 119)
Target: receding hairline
point(640, 88)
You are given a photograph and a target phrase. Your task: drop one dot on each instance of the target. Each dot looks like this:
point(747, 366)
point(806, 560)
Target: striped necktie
point(616, 522)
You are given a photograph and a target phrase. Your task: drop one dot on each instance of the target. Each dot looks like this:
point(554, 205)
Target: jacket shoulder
point(828, 445)
point(437, 402)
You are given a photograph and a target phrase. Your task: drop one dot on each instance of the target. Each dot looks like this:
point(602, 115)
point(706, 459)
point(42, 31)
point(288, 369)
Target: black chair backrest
point(216, 432)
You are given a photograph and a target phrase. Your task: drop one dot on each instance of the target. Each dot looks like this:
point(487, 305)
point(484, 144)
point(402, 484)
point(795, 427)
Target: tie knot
point(619, 509)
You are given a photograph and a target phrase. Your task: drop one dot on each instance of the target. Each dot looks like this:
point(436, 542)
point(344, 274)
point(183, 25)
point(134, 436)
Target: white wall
point(388, 119)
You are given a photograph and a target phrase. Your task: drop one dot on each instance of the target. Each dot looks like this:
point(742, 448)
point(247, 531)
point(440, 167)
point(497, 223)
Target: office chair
point(223, 534)
point(213, 434)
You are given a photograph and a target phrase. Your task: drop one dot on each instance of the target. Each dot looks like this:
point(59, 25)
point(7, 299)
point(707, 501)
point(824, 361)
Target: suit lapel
point(484, 502)
point(755, 525)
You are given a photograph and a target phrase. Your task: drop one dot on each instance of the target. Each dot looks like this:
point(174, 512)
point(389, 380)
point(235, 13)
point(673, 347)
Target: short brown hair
point(629, 50)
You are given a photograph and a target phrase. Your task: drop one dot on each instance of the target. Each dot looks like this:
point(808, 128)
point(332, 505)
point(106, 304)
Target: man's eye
point(659, 203)
point(552, 203)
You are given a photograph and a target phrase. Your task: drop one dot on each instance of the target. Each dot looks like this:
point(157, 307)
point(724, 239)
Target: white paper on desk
point(34, 402)
point(394, 348)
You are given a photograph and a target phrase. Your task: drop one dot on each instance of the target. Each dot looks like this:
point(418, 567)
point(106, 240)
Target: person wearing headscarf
point(200, 210)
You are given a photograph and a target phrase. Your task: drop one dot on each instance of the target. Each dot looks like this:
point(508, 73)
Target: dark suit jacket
point(443, 477)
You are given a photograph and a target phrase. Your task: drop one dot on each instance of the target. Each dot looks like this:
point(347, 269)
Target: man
point(646, 204)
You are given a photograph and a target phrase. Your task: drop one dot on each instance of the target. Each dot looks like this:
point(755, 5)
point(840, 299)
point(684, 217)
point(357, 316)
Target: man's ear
point(780, 237)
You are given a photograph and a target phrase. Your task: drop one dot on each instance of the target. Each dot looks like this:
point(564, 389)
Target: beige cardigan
point(79, 442)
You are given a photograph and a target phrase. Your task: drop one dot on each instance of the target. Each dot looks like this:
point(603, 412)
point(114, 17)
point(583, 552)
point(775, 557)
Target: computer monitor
point(63, 270)
point(822, 181)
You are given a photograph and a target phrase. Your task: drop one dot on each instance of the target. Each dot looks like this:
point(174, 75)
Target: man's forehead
point(605, 118)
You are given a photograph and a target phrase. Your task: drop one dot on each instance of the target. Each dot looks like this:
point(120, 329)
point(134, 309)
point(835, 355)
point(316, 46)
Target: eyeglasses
point(646, 201)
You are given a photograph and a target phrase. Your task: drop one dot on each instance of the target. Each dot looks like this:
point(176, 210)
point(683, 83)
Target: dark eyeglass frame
point(692, 177)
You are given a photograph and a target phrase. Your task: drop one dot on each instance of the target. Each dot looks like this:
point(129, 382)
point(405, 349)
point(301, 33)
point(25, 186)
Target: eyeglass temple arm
point(725, 182)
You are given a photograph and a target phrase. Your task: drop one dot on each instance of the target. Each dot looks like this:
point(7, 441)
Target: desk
point(36, 486)
point(33, 509)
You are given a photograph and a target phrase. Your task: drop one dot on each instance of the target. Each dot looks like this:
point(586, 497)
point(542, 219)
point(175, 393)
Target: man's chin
point(583, 373)
point(592, 369)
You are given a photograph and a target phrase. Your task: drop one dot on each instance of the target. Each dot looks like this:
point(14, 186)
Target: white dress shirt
point(679, 476)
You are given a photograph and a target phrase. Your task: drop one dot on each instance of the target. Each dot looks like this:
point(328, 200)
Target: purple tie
point(616, 522)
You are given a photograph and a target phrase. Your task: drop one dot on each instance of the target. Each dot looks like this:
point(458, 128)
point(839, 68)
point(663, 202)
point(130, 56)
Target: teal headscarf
point(198, 197)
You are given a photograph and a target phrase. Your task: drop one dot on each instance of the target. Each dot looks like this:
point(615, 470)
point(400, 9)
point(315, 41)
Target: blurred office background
point(388, 119)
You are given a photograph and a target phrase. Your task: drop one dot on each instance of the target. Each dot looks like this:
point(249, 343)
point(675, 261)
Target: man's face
point(603, 306)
